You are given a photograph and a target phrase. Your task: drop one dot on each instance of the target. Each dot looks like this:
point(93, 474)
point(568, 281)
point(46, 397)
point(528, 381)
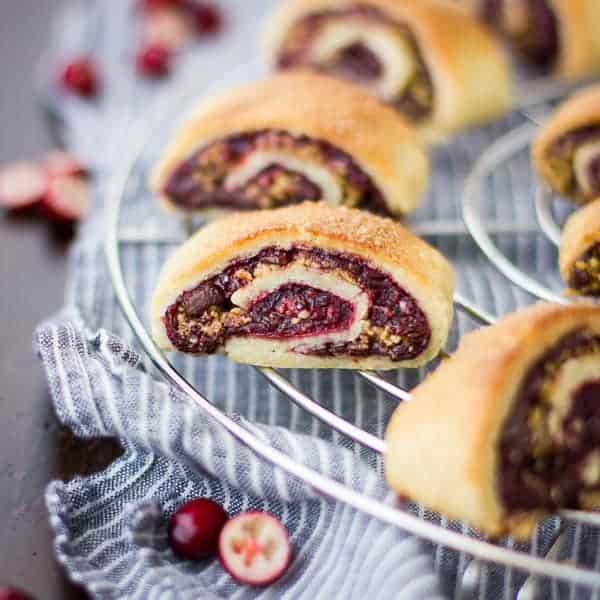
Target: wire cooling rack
point(550, 213)
point(556, 556)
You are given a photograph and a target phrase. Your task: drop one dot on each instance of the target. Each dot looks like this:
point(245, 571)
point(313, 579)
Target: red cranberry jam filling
point(201, 181)
point(202, 319)
point(530, 25)
point(357, 61)
point(545, 465)
point(575, 161)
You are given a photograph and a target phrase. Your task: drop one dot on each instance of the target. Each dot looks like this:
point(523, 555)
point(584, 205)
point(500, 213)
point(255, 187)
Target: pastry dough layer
point(443, 445)
point(470, 74)
point(579, 23)
point(578, 112)
point(414, 265)
point(581, 232)
point(380, 141)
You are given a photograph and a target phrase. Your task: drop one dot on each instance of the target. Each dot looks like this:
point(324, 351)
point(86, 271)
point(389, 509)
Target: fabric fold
point(110, 527)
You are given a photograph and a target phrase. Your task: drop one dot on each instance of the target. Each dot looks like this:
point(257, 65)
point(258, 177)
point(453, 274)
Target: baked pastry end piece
point(566, 152)
point(407, 53)
point(308, 286)
point(580, 251)
point(291, 138)
point(505, 432)
point(560, 36)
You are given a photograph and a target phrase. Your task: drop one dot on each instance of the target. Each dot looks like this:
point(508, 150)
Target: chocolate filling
point(356, 61)
point(533, 33)
point(202, 319)
point(541, 468)
point(200, 181)
point(585, 276)
point(561, 155)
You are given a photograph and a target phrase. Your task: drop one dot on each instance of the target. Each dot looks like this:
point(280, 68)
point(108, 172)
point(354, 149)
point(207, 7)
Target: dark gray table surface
point(33, 447)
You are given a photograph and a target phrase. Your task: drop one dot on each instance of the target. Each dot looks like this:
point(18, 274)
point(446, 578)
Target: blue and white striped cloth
point(110, 528)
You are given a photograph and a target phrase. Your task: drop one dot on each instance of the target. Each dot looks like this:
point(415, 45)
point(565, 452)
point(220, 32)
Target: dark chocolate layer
point(536, 37)
point(585, 276)
point(356, 62)
point(201, 320)
point(200, 181)
point(561, 155)
point(539, 469)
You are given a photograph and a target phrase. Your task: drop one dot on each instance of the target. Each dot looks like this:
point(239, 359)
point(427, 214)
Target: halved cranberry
point(11, 593)
point(80, 77)
point(58, 163)
point(194, 529)
point(67, 199)
point(207, 17)
point(154, 60)
point(167, 27)
point(255, 548)
point(22, 185)
point(150, 5)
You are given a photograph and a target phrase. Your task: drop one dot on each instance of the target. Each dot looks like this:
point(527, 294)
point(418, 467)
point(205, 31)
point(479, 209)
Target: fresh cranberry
point(154, 60)
point(207, 17)
point(80, 77)
point(11, 593)
point(194, 529)
point(151, 5)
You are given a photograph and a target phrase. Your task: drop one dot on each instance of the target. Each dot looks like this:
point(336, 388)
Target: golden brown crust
point(378, 138)
point(579, 40)
point(471, 75)
point(442, 446)
point(419, 268)
point(581, 232)
point(581, 110)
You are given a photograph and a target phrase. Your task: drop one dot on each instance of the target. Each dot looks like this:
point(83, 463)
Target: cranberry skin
point(11, 593)
point(154, 60)
point(80, 77)
point(150, 5)
point(207, 17)
point(194, 529)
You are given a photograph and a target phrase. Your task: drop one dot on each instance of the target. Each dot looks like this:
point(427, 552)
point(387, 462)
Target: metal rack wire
point(500, 151)
point(548, 566)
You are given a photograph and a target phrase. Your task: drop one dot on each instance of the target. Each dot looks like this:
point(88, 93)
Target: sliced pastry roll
point(560, 36)
point(566, 153)
point(292, 138)
point(580, 251)
point(507, 430)
point(309, 286)
point(433, 63)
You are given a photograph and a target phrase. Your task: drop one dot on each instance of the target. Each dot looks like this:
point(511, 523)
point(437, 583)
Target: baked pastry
point(507, 430)
point(566, 152)
point(291, 138)
point(580, 251)
point(408, 53)
point(308, 286)
point(560, 36)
